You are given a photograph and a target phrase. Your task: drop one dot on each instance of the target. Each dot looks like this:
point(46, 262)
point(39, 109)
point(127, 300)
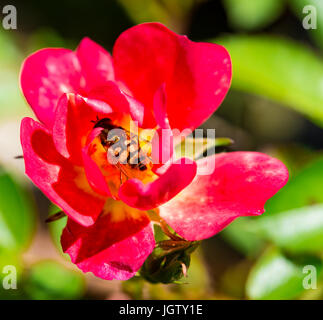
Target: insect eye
point(142, 167)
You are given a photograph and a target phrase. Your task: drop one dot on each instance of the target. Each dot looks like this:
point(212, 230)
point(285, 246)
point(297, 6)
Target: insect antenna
point(122, 171)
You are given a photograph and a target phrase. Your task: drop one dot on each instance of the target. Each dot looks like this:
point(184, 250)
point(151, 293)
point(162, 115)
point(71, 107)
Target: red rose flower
point(161, 80)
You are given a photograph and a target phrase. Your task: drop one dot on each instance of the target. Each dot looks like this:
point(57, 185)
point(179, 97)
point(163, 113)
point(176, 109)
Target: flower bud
point(169, 261)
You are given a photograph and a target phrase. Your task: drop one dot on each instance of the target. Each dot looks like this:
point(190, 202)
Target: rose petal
point(162, 141)
point(73, 123)
point(115, 247)
point(119, 101)
point(151, 195)
point(240, 185)
point(96, 63)
point(45, 76)
point(63, 183)
point(94, 174)
point(48, 73)
point(197, 76)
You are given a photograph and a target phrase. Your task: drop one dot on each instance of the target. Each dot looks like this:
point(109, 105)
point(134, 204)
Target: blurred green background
point(275, 106)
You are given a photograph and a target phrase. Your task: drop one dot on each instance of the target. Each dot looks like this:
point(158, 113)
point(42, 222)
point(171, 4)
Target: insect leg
point(122, 171)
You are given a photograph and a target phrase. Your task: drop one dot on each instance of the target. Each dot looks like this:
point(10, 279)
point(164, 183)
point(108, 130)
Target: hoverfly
point(122, 146)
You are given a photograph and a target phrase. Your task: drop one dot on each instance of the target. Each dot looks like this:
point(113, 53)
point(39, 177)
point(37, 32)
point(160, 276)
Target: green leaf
point(303, 190)
point(242, 235)
point(195, 147)
point(252, 14)
point(279, 69)
point(49, 280)
point(298, 230)
point(299, 5)
point(9, 53)
point(172, 13)
point(46, 37)
point(145, 10)
point(17, 221)
point(276, 277)
point(11, 99)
